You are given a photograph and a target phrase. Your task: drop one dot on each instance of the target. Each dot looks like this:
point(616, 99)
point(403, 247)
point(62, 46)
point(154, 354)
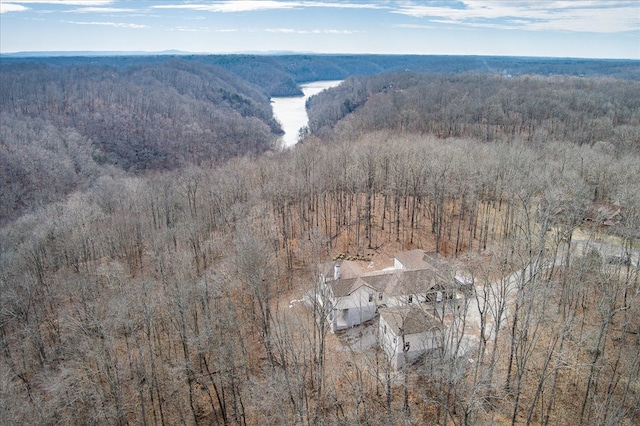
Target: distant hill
point(66, 118)
point(145, 115)
point(72, 53)
point(483, 107)
point(90, 53)
point(279, 75)
point(61, 124)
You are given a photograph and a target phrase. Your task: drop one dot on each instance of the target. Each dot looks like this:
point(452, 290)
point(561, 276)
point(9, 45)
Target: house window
point(411, 299)
point(380, 296)
point(370, 297)
point(394, 340)
point(384, 329)
point(407, 346)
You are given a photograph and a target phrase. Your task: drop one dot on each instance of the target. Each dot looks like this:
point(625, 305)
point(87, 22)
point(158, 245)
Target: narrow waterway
point(291, 112)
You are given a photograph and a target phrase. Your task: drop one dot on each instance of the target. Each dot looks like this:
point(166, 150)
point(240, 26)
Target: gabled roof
point(348, 269)
point(415, 259)
point(378, 282)
point(410, 319)
point(422, 273)
point(393, 283)
point(410, 282)
point(347, 286)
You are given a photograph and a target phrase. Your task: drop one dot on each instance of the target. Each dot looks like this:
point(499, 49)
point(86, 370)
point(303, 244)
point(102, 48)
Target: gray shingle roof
point(410, 282)
point(348, 269)
point(414, 259)
point(423, 273)
point(413, 319)
point(347, 286)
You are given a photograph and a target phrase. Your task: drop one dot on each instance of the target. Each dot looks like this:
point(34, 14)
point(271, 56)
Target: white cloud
point(204, 30)
point(228, 6)
point(587, 16)
point(192, 29)
point(282, 30)
point(414, 26)
point(66, 2)
point(315, 31)
point(109, 24)
point(103, 10)
point(339, 31)
point(10, 7)
point(231, 6)
point(338, 5)
point(18, 5)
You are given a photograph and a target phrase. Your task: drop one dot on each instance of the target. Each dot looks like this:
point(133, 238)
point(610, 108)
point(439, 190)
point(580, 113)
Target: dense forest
point(279, 75)
point(486, 108)
point(153, 239)
point(59, 124)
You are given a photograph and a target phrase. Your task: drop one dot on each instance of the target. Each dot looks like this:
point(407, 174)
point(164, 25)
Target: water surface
point(291, 113)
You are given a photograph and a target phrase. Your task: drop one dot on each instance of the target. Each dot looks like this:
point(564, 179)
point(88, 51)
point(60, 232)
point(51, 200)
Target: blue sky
point(587, 29)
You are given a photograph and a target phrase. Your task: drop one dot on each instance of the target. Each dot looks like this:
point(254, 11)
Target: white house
point(406, 332)
point(352, 297)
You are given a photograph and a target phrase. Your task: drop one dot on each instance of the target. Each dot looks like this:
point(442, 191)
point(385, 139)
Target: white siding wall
point(354, 309)
point(386, 341)
point(419, 343)
point(397, 264)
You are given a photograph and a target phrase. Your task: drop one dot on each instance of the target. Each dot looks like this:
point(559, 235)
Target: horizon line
point(168, 52)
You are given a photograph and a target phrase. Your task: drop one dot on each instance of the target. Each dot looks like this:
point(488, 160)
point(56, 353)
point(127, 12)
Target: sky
point(570, 28)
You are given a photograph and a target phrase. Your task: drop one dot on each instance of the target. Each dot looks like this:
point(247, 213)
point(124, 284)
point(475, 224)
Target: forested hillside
point(483, 107)
point(137, 118)
point(279, 75)
point(155, 252)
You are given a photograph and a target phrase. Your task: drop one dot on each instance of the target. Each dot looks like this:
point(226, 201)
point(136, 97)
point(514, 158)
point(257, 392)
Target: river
point(291, 113)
